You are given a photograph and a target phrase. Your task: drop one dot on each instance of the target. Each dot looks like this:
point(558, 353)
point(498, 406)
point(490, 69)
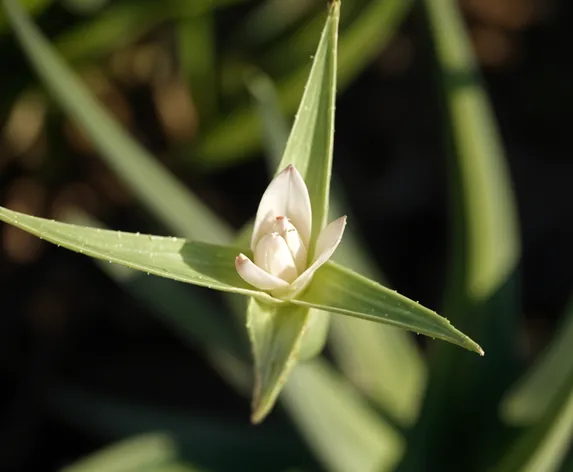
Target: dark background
point(64, 321)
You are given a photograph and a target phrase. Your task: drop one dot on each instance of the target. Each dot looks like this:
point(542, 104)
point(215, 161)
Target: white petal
point(273, 255)
point(256, 276)
point(294, 242)
point(286, 195)
point(329, 240)
point(325, 246)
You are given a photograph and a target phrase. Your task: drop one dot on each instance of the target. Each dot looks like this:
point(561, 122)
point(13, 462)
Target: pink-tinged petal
point(273, 255)
point(254, 275)
point(294, 242)
point(327, 243)
point(286, 195)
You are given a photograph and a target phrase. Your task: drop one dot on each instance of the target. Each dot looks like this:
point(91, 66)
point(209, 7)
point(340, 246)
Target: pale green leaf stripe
point(531, 397)
point(309, 146)
point(327, 410)
point(276, 333)
point(487, 199)
point(201, 264)
point(130, 455)
point(340, 290)
point(239, 136)
point(141, 171)
point(544, 446)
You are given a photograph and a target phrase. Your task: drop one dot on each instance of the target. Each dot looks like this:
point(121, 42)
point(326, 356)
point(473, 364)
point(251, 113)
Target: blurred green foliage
point(379, 403)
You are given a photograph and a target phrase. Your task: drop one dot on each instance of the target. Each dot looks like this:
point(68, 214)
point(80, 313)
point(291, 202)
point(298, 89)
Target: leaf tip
point(259, 412)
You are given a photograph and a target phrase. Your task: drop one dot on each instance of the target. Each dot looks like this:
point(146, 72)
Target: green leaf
point(383, 362)
point(149, 180)
point(345, 433)
point(275, 133)
point(309, 146)
point(334, 288)
point(543, 447)
point(530, 399)
point(491, 245)
point(201, 264)
point(481, 293)
point(276, 333)
point(340, 290)
point(239, 136)
point(138, 453)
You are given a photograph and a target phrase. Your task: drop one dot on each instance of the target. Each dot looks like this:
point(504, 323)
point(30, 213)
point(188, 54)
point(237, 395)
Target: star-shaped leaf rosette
point(291, 284)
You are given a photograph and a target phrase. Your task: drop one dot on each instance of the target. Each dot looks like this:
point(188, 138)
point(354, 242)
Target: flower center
point(290, 234)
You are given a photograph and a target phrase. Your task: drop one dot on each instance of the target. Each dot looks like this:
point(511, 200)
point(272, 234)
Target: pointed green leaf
point(383, 362)
point(340, 290)
point(238, 137)
point(334, 288)
point(149, 180)
point(485, 202)
point(345, 433)
point(309, 146)
point(275, 133)
point(528, 401)
point(200, 264)
point(276, 333)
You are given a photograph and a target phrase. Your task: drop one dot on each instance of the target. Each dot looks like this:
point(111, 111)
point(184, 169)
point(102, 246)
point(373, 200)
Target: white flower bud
point(281, 237)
